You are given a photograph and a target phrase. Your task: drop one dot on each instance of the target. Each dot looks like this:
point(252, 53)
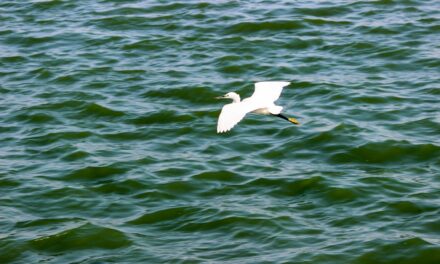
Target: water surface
point(108, 149)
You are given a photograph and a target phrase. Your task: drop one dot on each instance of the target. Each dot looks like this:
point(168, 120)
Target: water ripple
point(109, 151)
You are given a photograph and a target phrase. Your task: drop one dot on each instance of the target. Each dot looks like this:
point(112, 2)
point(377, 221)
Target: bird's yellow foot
point(293, 120)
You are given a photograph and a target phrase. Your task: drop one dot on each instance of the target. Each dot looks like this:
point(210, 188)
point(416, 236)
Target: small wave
point(59, 106)
point(62, 198)
point(162, 117)
point(251, 27)
point(93, 173)
point(409, 250)
point(66, 79)
point(390, 186)
point(326, 22)
point(36, 118)
point(298, 43)
point(101, 41)
point(119, 22)
point(431, 63)
point(228, 58)
point(53, 137)
point(12, 251)
point(164, 215)
point(380, 30)
point(124, 10)
point(8, 183)
point(76, 155)
point(126, 136)
point(154, 195)
point(205, 95)
point(235, 69)
point(42, 73)
point(4, 31)
point(12, 59)
point(4, 90)
point(425, 127)
point(394, 53)
point(410, 207)
point(432, 226)
point(218, 176)
point(179, 187)
point(172, 7)
point(339, 194)
point(334, 138)
point(46, 5)
point(284, 187)
point(389, 151)
point(85, 237)
point(126, 187)
point(143, 45)
point(30, 41)
point(371, 99)
point(46, 221)
point(230, 223)
point(354, 48)
point(97, 110)
point(327, 11)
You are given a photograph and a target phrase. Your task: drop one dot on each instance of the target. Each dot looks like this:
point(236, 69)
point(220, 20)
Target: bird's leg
point(290, 119)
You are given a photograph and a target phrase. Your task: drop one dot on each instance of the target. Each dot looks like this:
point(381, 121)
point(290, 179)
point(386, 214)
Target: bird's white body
point(261, 102)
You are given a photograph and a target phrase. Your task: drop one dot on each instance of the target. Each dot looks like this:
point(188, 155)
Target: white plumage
point(268, 91)
point(261, 102)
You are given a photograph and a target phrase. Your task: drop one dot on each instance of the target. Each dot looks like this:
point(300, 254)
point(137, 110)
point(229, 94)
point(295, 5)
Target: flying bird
point(261, 102)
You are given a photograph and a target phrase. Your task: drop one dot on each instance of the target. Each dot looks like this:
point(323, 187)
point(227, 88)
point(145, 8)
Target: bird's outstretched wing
point(231, 114)
point(268, 91)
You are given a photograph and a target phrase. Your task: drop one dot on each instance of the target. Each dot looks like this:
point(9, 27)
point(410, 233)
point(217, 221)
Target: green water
point(109, 151)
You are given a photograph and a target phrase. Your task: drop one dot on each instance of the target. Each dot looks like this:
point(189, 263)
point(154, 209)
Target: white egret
point(261, 102)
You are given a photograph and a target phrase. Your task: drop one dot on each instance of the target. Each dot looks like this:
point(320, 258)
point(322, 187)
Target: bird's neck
point(236, 98)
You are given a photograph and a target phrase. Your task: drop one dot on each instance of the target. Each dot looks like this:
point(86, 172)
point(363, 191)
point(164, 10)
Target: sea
point(109, 151)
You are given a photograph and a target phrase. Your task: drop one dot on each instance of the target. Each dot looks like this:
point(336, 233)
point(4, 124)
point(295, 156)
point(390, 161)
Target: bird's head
point(235, 97)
